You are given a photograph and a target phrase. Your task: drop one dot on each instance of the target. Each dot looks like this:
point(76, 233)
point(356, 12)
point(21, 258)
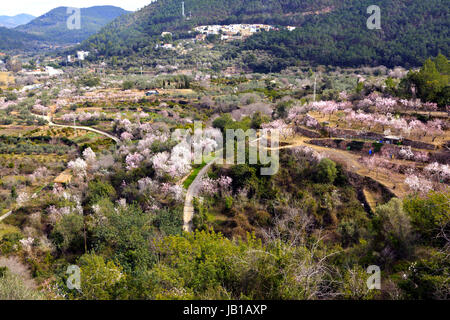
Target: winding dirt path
point(194, 190)
point(87, 129)
point(191, 193)
point(51, 124)
point(392, 181)
point(6, 215)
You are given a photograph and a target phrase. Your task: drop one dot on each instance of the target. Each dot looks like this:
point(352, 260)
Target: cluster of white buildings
point(81, 56)
point(234, 31)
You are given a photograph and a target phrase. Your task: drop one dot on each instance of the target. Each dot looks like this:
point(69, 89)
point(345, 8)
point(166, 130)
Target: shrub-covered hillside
point(328, 31)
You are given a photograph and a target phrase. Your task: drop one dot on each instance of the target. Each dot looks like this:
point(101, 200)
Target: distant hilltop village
point(234, 31)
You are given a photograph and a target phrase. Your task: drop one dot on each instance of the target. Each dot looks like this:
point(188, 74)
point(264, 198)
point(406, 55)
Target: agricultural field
point(6, 78)
point(95, 172)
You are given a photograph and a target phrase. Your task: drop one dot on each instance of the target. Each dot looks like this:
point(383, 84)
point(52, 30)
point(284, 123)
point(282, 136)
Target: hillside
point(52, 26)
point(329, 31)
point(130, 34)
point(14, 21)
point(12, 39)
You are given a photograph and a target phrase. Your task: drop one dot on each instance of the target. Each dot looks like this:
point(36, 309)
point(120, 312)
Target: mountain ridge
point(14, 21)
point(52, 26)
point(15, 40)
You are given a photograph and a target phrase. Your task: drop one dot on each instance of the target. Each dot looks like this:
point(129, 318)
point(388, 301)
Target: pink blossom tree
point(417, 184)
point(133, 161)
point(78, 167)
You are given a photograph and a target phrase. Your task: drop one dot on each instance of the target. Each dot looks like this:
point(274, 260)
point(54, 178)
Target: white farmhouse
point(81, 55)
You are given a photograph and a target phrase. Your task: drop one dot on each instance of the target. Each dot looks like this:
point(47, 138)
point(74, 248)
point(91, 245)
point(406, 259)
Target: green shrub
point(12, 287)
point(326, 171)
point(98, 190)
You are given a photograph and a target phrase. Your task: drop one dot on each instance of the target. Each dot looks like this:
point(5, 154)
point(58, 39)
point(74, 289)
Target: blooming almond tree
point(438, 172)
point(307, 153)
point(209, 186)
point(419, 185)
point(27, 244)
point(78, 167)
point(126, 136)
point(22, 199)
point(90, 157)
point(406, 153)
point(134, 160)
point(39, 174)
point(147, 185)
point(69, 117)
point(41, 109)
point(384, 105)
point(284, 130)
point(310, 122)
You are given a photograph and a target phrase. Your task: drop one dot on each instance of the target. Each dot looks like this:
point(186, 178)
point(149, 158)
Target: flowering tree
point(22, 199)
point(180, 160)
point(209, 186)
point(438, 172)
point(41, 109)
point(90, 157)
point(307, 153)
point(284, 130)
point(310, 122)
point(39, 174)
point(416, 126)
point(204, 142)
point(417, 184)
point(435, 128)
point(78, 167)
point(27, 244)
point(160, 161)
point(175, 191)
point(121, 125)
point(126, 136)
point(384, 105)
point(56, 214)
point(147, 185)
point(406, 153)
point(224, 182)
point(134, 160)
point(69, 117)
point(330, 109)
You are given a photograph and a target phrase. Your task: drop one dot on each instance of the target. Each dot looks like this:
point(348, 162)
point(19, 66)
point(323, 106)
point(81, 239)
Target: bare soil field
point(5, 79)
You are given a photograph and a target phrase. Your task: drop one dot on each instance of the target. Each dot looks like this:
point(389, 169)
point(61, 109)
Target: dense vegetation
point(136, 32)
point(410, 32)
point(52, 26)
point(344, 198)
point(336, 36)
point(12, 39)
point(431, 82)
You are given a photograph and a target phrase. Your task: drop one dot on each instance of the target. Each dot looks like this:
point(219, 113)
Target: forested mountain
point(329, 31)
point(52, 26)
point(411, 31)
point(14, 21)
point(132, 33)
point(12, 39)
